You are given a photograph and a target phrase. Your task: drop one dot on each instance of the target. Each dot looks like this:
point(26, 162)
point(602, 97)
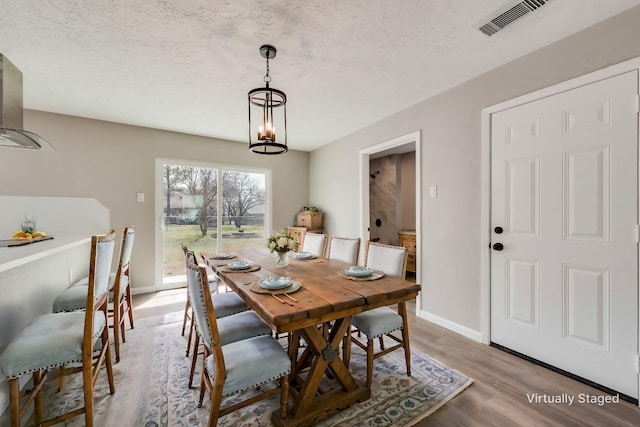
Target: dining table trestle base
point(319, 312)
point(324, 406)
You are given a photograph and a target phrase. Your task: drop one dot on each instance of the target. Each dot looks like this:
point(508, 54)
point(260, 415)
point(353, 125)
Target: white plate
point(303, 255)
point(239, 265)
point(275, 282)
point(358, 271)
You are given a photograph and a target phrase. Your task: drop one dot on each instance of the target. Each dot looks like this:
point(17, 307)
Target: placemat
point(374, 276)
point(252, 267)
point(254, 287)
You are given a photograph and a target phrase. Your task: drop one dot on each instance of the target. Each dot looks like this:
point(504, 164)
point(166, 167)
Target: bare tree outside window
point(242, 192)
point(191, 218)
point(201, 184)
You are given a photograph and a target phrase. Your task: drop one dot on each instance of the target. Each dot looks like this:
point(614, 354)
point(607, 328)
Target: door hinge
point(637, 364)
point(638, 103)
point(637, 233)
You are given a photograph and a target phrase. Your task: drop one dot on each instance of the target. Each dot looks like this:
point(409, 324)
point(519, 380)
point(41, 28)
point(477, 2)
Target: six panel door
point(564, 287)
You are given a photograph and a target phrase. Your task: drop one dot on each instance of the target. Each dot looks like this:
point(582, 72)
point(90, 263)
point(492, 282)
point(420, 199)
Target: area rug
point(151, 387)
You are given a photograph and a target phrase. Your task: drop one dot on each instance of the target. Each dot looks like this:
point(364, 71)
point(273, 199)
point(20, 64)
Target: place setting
point(222, 256)
point(217, 259)
point(359, 273)
point(302, 255)
point(239, 267)
point(275, 286)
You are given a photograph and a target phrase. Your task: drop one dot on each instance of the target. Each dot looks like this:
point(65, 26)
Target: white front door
point(564, 285)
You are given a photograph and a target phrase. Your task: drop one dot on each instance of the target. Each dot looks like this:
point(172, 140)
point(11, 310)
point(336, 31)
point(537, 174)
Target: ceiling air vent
point(506, 17)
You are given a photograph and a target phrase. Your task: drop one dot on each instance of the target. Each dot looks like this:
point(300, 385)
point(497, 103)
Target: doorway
point(563, 263)
point(387, 205)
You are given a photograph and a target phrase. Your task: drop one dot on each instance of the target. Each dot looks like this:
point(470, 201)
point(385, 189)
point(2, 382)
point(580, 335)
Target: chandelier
point(267, 114)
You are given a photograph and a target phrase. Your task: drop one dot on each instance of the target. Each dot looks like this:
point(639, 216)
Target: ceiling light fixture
point(269, 107)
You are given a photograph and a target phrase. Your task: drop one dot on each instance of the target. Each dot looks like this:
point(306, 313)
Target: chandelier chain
point(267, 77)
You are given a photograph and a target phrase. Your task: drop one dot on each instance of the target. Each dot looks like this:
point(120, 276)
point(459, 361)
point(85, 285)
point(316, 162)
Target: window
point(207, 208)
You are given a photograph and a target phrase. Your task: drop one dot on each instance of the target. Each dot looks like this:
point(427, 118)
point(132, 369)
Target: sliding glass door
point(206, 208)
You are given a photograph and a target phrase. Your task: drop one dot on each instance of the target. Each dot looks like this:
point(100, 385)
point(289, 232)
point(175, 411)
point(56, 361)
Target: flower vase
point(282, 259)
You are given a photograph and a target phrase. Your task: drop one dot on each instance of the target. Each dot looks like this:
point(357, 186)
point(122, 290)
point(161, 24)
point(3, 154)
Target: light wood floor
point(502, 382)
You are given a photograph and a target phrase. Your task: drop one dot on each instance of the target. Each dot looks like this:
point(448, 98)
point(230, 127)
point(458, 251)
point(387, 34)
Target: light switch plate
point(140, 197)
point(433, 191)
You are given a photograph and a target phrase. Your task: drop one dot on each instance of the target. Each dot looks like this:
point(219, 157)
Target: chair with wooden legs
point(298, 233)
point(59, 339)
point(234, 367)
point(213, 284)
point(235, 320)
point(380, 322)
point(74, 297)
point(121, 303)
point(344, 249)
point(314, 243)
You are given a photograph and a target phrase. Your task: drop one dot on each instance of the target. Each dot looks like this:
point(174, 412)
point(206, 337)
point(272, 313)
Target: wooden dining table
point(326, 297)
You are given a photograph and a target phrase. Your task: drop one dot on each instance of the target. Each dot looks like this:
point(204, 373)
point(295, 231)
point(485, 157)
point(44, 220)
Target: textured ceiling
point(187, 65)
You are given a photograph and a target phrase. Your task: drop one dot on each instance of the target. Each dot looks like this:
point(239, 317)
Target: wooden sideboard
point(407, 238)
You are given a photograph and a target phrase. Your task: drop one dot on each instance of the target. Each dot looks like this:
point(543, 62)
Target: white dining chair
point(230, 368)
point(382, 321)
point(344, 249)
point(314, 243)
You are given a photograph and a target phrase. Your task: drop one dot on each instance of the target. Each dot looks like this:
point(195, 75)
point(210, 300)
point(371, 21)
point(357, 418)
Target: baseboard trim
point(575, 377)
point(452, 326)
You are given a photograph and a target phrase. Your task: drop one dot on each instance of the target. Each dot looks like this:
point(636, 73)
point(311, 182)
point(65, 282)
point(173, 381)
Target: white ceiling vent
point(509, 14)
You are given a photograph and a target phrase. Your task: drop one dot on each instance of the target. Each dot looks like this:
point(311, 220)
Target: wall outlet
point(433, 191)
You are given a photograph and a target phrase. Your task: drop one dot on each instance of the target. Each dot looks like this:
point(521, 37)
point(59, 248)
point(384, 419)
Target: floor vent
point(511, 14)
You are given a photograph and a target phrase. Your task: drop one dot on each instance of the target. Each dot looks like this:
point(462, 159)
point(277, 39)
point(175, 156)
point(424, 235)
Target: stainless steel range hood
point(12, 133)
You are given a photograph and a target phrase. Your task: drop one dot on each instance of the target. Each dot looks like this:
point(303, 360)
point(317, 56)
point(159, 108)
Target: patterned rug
point(151, 387)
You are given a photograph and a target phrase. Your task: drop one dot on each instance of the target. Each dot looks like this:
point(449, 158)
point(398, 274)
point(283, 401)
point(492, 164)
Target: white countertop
point(18, 255)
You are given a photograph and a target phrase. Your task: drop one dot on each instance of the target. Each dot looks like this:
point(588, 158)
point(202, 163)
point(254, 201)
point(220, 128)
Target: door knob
point(498, 247)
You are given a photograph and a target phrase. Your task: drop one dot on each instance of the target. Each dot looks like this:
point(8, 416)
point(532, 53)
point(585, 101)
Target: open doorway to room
point(392, 200)
point(208, 208)
point(390, 196)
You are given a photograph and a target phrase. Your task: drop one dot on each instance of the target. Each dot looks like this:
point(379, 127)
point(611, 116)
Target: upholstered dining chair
point(230, 368)
point(213, 279)
point(314, 243)
point(235, 320)
point(58, 339)
point(344, 249)
point(298, 234)
point(376, 323)
point(74, 297)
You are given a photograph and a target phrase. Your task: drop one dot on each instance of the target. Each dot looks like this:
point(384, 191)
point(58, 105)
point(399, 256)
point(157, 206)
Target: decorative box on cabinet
point(309, 219)
point(407, 238)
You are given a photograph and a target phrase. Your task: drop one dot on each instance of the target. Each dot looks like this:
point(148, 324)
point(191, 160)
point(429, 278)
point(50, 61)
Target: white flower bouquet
point(282, 242)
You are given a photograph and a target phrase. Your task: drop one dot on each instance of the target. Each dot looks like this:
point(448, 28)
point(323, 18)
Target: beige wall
point(112, 162)
point(450, 159)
